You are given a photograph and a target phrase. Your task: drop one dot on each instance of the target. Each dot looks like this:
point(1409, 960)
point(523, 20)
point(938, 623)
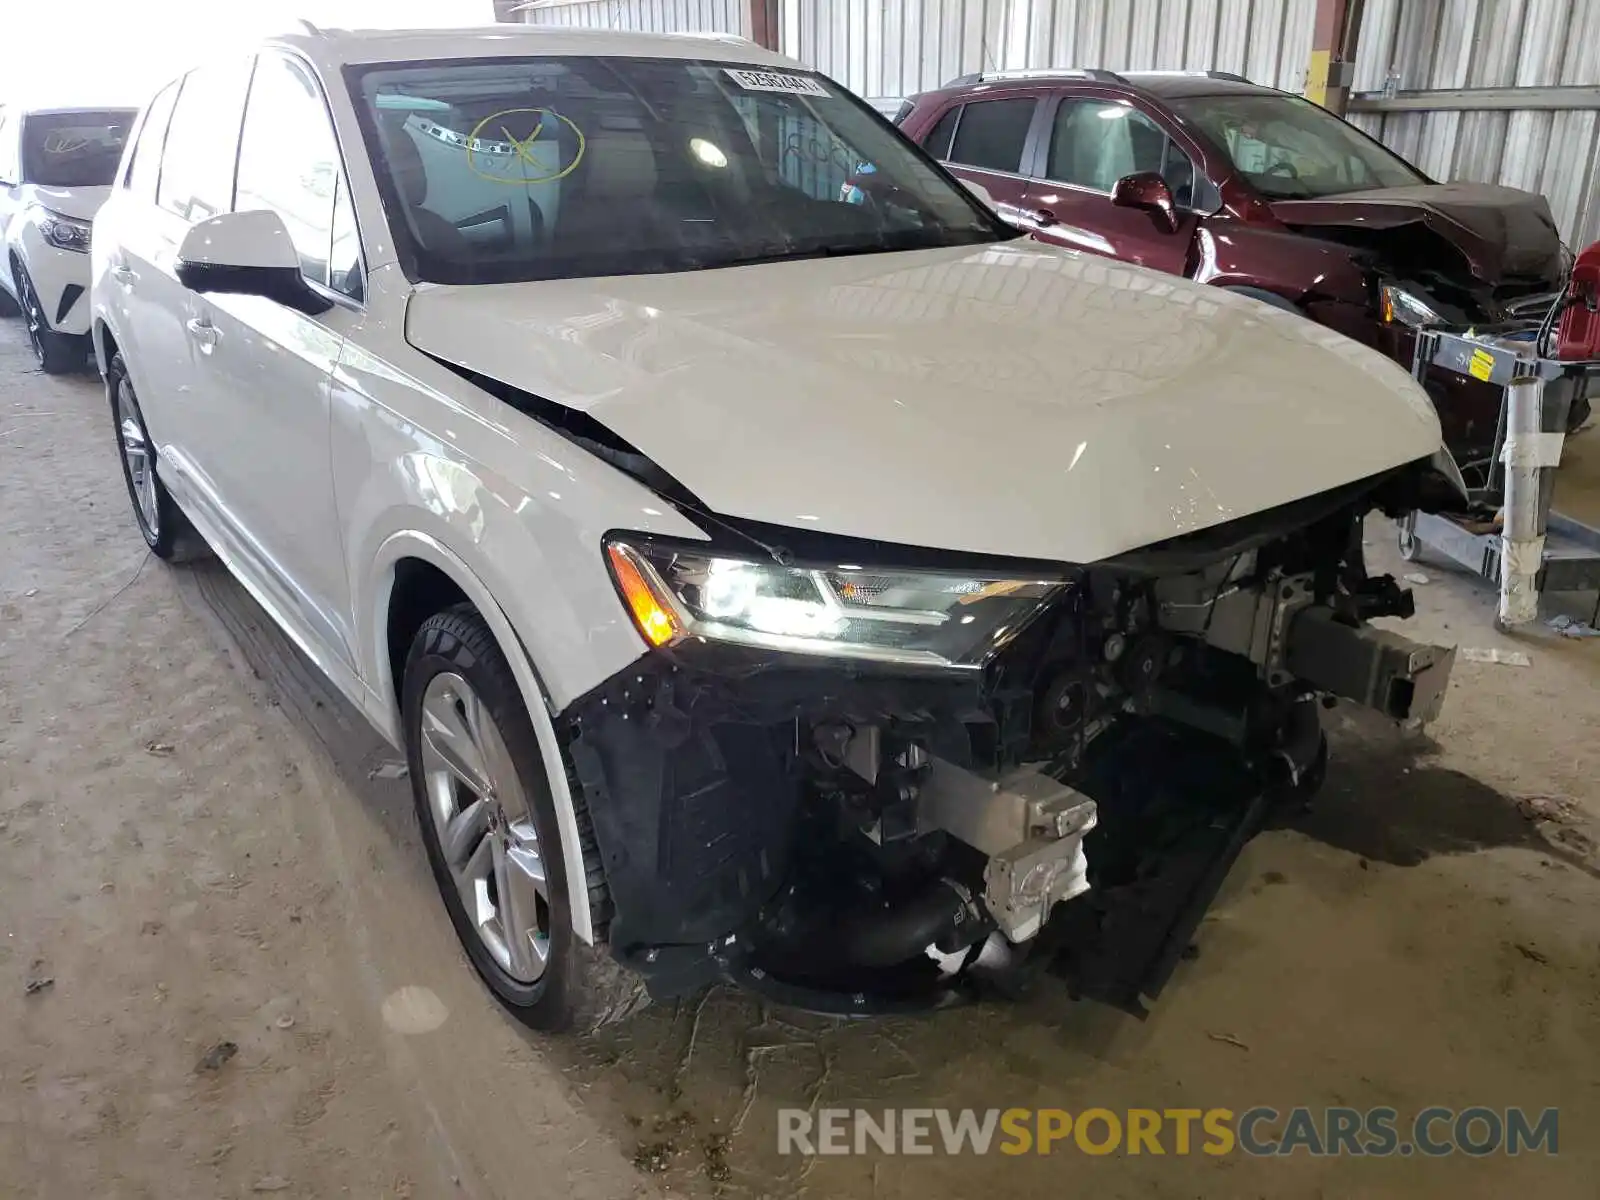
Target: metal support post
point(1522, 536)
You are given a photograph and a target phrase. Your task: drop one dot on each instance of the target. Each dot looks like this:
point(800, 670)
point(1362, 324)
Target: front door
point(263, 371)
point(1091, 143)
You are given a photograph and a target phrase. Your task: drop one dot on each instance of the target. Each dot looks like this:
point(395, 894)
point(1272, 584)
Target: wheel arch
point(104, 342)
point(411, 564)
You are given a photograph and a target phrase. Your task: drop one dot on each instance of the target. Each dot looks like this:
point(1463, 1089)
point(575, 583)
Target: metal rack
point(1530, 549)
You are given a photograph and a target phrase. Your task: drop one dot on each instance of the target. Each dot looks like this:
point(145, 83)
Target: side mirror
point(1148, 191)
point(247, 254)
point(981, 192)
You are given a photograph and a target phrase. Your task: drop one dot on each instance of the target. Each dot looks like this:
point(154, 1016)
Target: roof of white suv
point(338, 47)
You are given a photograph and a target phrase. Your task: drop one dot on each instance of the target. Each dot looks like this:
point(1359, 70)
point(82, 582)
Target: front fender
point(411, 543)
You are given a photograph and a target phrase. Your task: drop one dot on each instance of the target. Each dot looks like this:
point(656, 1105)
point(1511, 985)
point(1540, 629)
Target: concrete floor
point(199, 847)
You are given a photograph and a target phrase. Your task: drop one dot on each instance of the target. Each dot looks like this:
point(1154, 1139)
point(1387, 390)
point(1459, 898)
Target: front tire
point(57, 353)
point(488, 821)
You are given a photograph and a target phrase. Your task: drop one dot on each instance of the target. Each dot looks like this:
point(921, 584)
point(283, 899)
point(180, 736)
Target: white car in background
point(56, 167)
point(762, 587)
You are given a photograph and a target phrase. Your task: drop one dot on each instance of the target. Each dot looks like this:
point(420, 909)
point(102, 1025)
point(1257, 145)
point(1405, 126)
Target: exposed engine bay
point(856, 837)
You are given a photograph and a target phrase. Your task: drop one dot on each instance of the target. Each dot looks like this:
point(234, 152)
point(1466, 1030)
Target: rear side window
point(145, 166)
point(203, 141)
point(937, 140)
point(991, 134)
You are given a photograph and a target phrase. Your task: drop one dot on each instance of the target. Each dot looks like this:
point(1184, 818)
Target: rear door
point(1091, 141)
point(194, 180)
point(988, 141)
point(121, 234)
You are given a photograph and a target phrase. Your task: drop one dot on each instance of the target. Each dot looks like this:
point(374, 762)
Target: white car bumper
point(61, 280)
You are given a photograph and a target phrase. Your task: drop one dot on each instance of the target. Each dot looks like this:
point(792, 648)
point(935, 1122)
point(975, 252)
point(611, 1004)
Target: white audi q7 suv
point(56, 167)
point(850, 599)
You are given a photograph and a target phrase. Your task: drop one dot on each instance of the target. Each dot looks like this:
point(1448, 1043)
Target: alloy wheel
point(485, 827)
point(32, 314)
point(136, 452)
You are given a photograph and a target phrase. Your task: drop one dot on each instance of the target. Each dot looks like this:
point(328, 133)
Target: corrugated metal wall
point(891, 48)
point(896, 47)
point(1434, 44)
point(656, 16)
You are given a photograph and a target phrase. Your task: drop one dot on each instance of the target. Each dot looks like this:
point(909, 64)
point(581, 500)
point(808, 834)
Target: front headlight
point(939, 619)
point(63, 232)
point(1406, 308)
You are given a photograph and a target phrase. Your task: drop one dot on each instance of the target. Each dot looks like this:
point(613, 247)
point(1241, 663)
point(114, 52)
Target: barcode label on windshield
point(775, 81)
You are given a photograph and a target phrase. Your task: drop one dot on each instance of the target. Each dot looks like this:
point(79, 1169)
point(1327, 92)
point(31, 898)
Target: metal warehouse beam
point(1523, 99)
point(1333, 53)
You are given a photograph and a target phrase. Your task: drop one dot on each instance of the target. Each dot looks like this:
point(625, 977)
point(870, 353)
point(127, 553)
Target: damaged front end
point(862, 778)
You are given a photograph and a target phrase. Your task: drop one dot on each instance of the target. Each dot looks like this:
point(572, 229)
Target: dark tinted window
point(937, 140)
point(288, 158)
point(80, 149)
point(536, 168)
point(146, 164)
point(991, 134)
point(203, 140)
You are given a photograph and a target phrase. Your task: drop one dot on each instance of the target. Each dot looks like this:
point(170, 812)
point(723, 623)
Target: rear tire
point(478, 779)
point(161, 522)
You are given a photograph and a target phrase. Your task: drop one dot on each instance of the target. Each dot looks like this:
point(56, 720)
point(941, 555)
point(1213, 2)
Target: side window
point(1094, 143)
point(144, 167)
point(937, 140)
point(8, 154)
point(289, 159)
point(344, 257)
point(197, 162)
point(991, 134)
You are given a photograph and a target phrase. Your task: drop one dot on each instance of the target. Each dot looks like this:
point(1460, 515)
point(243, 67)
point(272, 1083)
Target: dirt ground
point(224, 970)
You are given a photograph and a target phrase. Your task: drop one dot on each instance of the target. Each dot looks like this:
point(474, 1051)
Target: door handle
point(204, 333)
point(1044, 218)
point(123, 273)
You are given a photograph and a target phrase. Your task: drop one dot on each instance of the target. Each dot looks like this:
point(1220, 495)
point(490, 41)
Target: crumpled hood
point(80, 202)
point(1006, 399)
point(1501, 231)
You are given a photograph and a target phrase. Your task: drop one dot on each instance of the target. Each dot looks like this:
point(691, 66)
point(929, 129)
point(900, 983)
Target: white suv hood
point(1004, 399)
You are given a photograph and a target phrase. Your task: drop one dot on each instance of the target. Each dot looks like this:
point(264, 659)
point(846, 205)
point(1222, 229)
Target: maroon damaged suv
point(1258, 191)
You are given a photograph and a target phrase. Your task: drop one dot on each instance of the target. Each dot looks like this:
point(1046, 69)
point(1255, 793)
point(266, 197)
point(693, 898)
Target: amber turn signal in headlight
point(654, 619)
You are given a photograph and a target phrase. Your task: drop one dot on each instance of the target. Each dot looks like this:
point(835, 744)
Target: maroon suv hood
point(1501, 231)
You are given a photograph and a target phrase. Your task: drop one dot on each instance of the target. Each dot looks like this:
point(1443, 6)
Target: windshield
point(1289, 148)
point(80, 149)
point(538, 168)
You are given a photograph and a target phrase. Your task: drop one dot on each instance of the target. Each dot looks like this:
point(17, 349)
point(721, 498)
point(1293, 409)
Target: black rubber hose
point(887, 936)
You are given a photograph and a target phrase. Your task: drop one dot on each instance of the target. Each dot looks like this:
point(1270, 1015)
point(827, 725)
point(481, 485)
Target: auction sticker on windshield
point(775, 81)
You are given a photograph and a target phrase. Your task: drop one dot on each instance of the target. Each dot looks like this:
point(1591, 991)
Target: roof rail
point(1230, 76)
point(1094, 73)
